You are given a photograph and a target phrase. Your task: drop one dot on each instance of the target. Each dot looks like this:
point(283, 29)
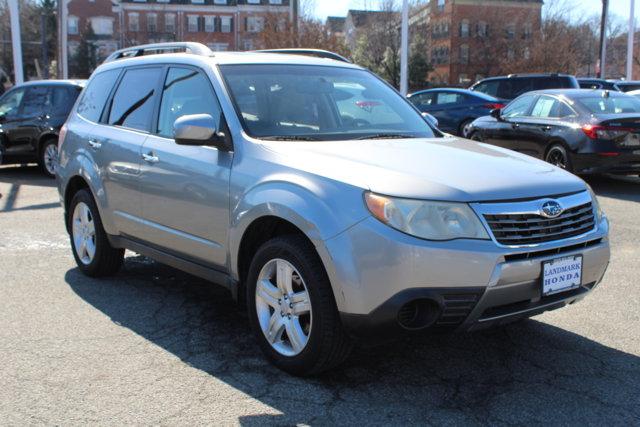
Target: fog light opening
point(418, 314)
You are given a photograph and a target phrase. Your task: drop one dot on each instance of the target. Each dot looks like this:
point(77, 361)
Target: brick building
point(468, 37)
point(220, 24)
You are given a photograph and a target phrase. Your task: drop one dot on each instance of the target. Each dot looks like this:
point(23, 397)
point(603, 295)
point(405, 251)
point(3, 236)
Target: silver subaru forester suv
point(316, 193)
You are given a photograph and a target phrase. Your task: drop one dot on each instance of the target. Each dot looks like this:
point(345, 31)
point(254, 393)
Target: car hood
point(449, 168)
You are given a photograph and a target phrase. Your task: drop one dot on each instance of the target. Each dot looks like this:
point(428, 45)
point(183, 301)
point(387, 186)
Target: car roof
point(457, 90)
point(530, 75)
point(73, 82)
point(225, 58)
point(576, 93)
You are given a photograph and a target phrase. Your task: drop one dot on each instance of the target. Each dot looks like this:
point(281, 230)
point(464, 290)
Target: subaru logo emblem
point(551, 209)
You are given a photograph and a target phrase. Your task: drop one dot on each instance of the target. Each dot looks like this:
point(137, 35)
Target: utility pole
point(45, 47)
point(404, 50)
point(603, 38)
point(632, 24)
point(16, 44)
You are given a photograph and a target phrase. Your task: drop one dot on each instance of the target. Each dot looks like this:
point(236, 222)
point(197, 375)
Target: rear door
point(185, 189)
point(31, 118)
point(548, 117)
point(449, 109)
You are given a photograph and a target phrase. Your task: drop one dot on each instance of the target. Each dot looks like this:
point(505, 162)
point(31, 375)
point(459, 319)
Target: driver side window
point(519, 107)
point(10, 104)
point(186, 91)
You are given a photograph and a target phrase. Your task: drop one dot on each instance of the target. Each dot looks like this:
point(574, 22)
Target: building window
point(72, 25)
point(192, 23)
point(134, 21)
point(464, 28)
point(226, 23)
point(528, 30)
point(441, 4)
point(209, 24)
point(481, 29)
point(102, 26)
point(247, 45)
point(527, 53)
point(170, 23)
point(255, 24)
point(463, 79)
point(511, 31)
point(253, 1)
point(464, 54)
point(275, 1)
point(511, 54)
point(197, 1)
point(219, 1)
point(152, 22)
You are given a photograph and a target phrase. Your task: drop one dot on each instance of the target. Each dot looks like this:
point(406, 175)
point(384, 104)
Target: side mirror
point(198, 130)
point(497, 113)
point(430, 119)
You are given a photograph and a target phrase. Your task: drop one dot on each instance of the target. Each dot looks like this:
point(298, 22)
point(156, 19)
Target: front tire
point(292, 309)
point(465, 129)
point(91, 249)
point(557, 155)
point(48, 160)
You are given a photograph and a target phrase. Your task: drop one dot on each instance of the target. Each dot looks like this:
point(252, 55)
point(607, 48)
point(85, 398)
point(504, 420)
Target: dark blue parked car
point(455, 109)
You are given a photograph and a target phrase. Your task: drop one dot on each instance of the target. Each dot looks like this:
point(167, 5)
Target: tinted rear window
point(612, 105)
point(96, 94)
point(63, 99)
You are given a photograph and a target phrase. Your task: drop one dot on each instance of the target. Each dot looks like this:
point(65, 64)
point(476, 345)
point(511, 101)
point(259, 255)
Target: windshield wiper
point(289, 138)
point(386, 136)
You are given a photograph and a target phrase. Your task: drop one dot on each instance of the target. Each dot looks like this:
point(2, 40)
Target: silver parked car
point(320, 196)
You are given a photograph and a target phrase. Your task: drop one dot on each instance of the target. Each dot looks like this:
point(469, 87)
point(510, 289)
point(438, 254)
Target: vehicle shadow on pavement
point(525, 373)
point(18, 176)
point(617, 187)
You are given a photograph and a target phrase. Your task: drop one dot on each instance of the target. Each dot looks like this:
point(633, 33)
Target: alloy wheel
point(557, 158)
point(51, 158)
point(84, 233)
point(283, 306)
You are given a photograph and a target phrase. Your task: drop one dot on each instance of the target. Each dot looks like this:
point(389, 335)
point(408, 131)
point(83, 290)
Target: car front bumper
point(472, 284)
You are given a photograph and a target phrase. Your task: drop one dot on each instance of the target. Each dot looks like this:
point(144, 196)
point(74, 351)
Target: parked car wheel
point(91, 249)
point(292, 309)
point(475, 136)
point(48, 160)
point(557, 155)
point(465, 128)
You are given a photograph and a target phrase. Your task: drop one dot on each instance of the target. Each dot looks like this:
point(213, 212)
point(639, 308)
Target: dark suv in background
point(31, 116)
point(511, 86)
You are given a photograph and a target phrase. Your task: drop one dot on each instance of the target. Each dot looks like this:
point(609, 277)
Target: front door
point(185, 189)
point(507, 131)
point(10, 121)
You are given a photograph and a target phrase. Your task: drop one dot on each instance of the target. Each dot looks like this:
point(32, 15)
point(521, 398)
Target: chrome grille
point(528, 228)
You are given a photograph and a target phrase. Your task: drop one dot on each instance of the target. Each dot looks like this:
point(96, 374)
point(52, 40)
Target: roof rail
point(157, 48)
point(319, 53)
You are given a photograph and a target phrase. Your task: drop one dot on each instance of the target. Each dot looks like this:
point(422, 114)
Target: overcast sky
point(324, 8)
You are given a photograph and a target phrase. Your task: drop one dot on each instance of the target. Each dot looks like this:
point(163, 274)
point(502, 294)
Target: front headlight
point(595, 204)
point(426, 219)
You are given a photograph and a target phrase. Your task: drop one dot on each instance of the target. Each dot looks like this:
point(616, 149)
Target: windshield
point(611, 105)
point(319, 103)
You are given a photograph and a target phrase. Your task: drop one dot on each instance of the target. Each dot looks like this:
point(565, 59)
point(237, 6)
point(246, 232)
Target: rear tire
point(475, 136)
point(463, 126)
point(557, 155)
point(48, 158)
point(91, 249)
point(319, 341)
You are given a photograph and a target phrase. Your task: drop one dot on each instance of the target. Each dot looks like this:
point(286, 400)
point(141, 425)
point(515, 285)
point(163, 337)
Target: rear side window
point(63, 99)
point(34, 101)
point(552, 83)
point(186, 91)
point(422, 99)
point(514, 87)
point(518, 107)
point(548, 107)
point(132, 104)
point(96, 94)
point(489, 87)
point(448, 98)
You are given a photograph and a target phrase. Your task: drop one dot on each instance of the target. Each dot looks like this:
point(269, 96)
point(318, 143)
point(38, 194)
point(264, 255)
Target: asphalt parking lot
point(157, 346)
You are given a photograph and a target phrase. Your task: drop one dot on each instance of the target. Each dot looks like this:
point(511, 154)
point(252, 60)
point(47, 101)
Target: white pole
point(630, 42)
point(64, 50)
point(603, 39)
point(16, 44)
point(404, 50)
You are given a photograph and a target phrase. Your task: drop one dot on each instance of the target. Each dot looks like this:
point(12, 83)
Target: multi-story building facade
point(220, 24)
point(468, 39)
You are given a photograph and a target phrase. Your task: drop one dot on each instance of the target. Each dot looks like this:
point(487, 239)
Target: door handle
point(515, 125)
point(150, 158)
point(95, 144)
point(546, 128)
